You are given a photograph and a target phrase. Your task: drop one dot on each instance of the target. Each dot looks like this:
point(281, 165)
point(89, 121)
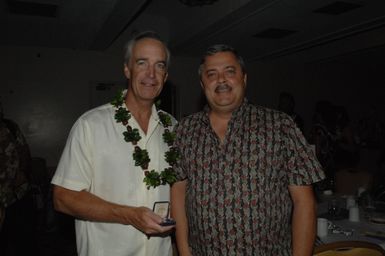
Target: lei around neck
point(131, 135)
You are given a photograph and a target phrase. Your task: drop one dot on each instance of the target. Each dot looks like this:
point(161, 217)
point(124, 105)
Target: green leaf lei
point(152, 178)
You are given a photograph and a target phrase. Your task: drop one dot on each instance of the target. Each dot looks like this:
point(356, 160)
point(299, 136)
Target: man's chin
point(149, 96)
point(224, 107)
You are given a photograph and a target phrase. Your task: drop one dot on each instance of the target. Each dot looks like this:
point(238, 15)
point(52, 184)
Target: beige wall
point(46, 90)
point(353, 78)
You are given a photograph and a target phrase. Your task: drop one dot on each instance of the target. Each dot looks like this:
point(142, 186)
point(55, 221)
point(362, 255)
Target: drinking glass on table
point(334, 208)
point(368, 206)
point(369, 212)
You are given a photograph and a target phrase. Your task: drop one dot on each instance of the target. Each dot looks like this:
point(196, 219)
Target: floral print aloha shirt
point(237, 198)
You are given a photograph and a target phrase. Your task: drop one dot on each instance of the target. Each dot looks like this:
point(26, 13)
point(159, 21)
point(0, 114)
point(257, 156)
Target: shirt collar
point(154, 112)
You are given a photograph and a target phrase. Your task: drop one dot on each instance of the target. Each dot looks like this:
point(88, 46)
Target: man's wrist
point(123, 214)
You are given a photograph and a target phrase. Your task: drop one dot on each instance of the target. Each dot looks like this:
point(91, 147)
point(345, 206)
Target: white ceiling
point(104, 25)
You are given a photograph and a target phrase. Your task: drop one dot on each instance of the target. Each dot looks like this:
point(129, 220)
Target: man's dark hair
point(221, 48)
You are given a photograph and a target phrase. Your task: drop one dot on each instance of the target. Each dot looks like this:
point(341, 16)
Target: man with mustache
point(245, 172)
point(98, 180)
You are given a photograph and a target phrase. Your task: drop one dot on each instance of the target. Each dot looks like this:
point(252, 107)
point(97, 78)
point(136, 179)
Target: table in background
point(359, 228)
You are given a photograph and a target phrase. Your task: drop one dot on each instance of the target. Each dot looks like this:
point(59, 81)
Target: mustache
point(221, 87)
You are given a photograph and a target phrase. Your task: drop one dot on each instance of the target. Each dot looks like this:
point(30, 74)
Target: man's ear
point(126, 71)
point(165, 77)
point(202, 86)
point(245, 79)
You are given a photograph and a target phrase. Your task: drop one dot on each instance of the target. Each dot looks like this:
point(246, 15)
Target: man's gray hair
point(221, 48)
point(146, 34)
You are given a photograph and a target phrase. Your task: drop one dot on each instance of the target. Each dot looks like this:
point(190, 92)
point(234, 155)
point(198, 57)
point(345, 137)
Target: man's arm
point(304, 220)
point(84, 205)
point(178, 212)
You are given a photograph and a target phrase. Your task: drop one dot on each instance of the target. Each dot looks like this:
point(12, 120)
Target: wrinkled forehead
point(221, 60)
point(149, 48)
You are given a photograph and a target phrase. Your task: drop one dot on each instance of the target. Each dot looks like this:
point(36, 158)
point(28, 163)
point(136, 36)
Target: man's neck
point(140, 110)
point(219, 122)
point(223, 115)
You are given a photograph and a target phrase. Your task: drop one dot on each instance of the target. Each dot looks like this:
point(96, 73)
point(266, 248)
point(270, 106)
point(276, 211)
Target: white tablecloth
point(359, 229)
point(358, 234)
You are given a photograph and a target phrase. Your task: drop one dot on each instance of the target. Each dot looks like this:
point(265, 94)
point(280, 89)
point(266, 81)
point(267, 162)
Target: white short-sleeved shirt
point(97, 159)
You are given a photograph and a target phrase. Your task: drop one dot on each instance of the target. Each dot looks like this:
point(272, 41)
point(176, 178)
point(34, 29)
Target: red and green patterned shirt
point(237, 197)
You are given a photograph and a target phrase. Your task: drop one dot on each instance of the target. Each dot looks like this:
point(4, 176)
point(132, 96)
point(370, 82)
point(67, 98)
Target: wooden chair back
point(349, 248)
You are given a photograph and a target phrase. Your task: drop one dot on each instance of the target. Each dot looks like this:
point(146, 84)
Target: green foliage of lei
point(152, 178)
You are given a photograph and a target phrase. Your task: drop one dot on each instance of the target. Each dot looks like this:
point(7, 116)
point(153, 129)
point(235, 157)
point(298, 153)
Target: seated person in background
point(348, 181)
point(371, 129)
point(17, 212)
point(286, 104)
point(347, 151)
point(378, 187)
point(322, 136)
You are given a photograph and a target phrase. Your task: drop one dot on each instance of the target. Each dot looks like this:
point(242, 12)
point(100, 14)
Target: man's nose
point(151, 70)
point(221, 77)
